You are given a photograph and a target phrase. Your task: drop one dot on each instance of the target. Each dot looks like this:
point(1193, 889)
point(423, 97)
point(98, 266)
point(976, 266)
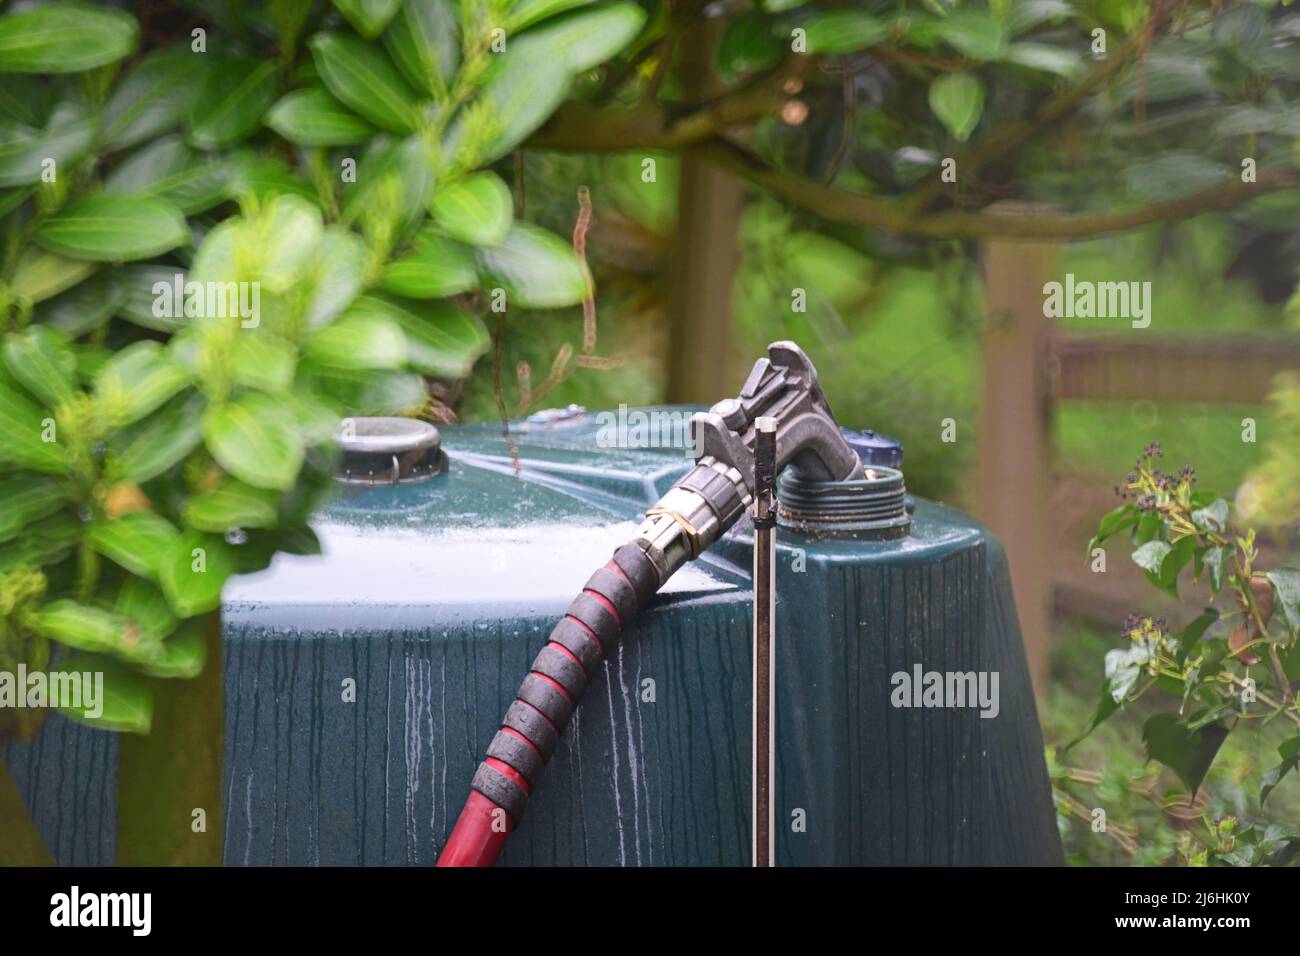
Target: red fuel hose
point(591, 625)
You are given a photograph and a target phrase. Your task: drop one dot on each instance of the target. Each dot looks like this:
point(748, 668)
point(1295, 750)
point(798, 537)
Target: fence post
point(1012, 484)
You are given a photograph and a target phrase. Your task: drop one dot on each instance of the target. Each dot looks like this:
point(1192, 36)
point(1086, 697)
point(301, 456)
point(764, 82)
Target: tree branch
point(1007, 137)
point(581, 127)
point(838, 205)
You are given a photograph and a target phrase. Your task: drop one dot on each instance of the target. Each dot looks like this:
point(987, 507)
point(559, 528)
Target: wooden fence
point(1029, 365)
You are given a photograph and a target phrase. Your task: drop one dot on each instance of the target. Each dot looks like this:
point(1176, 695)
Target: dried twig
point(580, 249)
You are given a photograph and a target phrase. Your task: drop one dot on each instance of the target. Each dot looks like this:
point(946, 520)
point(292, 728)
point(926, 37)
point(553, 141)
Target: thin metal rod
point(764, 835)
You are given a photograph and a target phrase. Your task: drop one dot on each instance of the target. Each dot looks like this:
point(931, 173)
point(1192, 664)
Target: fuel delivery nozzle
point(711, 496)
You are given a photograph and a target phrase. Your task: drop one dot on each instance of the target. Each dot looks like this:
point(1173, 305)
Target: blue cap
point(873, 448)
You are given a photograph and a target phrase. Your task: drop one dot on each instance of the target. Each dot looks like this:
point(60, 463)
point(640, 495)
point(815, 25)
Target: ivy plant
point(1232, 668)
point(224, 229)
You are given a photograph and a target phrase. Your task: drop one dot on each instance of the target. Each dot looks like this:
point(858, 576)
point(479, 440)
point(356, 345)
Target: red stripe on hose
point(554, 683)
point(614, 567)
point(571, 654)
point(514, 733)
point(479, 834)
point(594, 635)
point(504, 768)
point(605, 601)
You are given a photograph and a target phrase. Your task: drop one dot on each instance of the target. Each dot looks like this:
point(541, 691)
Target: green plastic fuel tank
point(431, 598)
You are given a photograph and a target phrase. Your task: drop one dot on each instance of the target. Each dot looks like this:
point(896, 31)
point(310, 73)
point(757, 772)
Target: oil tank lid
point(874, 448)
point(386, 450)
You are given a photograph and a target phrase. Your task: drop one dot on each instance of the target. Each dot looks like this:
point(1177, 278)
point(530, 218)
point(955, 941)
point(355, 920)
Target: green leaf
point(183, 654)
point(24, 499)
point(263, 363)
point(1189, 638)
point(1286, 585)
point(145, 605)
point(58, 39)
point(1048, 59)
point(1289, 751)
point(41, 359)
point(312, 117)
point(256, 439)
point(159, 442)
point(1213, 517)
point(441, 339)
point(1173, 175)
point(155, 97)
point(1125, 516)
point(11, 199)
point(1027, 14)
point(144, 304)
point(369, 17)
point(411, 163)
point(48, 541)
point(112, 228)
point(137, 380)
point(250, 176)
point(1107, 704)
point(958, 100)
point(1123, 668)
point(362, 77)
point(437, 267)
point(24, 425)
point(524, 13)
point(94, 629)
point(238, 91)
point(127, 700)
point(1151, 556)
point(138, 541)
point(477, 209)
point(39, 275)
point(843, 31)
point(975, 33)
point(232, 504)
point(529, 80)
point(586, 38)
point(25, 99)
point(748, 45)
point(26, 152)
point(1168, 75)
point(362, 338)
point(536, 268)
point(145, 166)
point(194, 571)
point(424, 41)
point(275, 247)
point(1216, 560)
point(1188, 753)
point(336, 273)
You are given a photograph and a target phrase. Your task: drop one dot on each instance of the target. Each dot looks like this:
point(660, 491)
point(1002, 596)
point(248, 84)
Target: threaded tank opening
point(874, 507)
point(387, 450)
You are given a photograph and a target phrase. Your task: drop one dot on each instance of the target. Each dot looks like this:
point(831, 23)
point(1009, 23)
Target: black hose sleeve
point(501, 790)
point(640, 572)
point(592, 624)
